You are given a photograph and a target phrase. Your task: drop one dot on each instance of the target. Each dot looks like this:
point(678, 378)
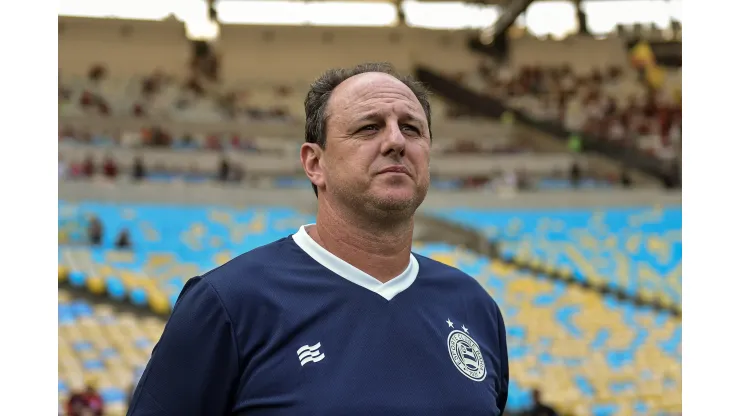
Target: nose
point(394, 142)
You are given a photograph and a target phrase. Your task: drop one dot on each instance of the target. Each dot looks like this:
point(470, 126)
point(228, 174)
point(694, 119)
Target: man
point(76, 404)
point(539, 408)
point(94, 401)
point(123, 240)
point(95, 231)
point(86, 402)
point(339, 318)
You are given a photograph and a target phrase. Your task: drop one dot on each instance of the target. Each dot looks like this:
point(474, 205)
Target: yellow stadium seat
point(96, 285)
point(447, 259)
point(63, 272)
point(221, 258)
point(115, 410)
point(158, 302)
point(160, 259)
point(520, 258)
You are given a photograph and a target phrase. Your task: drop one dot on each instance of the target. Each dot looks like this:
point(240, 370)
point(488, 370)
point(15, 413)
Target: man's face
point(377, 145)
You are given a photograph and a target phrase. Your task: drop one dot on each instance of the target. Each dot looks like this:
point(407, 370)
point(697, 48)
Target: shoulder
point(455, 281)
point(251, 275)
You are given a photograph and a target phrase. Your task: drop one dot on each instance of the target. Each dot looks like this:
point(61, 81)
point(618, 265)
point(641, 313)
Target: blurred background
point(556, 180)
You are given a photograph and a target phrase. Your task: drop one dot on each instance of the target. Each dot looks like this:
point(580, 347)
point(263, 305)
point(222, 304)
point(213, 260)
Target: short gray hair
point(321, 89)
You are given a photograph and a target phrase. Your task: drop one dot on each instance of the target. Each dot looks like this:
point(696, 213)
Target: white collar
point(322, 256)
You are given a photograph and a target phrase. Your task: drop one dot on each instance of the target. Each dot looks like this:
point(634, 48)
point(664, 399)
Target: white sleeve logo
point(310, 354)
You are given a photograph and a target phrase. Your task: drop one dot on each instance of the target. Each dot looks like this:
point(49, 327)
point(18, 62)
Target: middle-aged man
point(340, 318)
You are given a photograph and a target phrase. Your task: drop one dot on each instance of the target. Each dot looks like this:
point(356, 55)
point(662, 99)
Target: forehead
point(372, 92)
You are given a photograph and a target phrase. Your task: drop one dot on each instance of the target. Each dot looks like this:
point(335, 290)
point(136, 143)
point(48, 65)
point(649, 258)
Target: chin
point(397, 200)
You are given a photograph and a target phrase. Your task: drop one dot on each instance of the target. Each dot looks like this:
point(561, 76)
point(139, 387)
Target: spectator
point(523, 181)
point(625, 179)
point(63, 168)
point(574, 143)
point(238, 173)
point(97, 73)
point(95, 231)
point(138, 110)
point(94, 402)
point(123, 241)
point(575, 174)
point(75, 170)
point(110, 168)
point(138, 172)
point(224, 170)
point(213, 142)
point(539, 408)
point(76, 404)
point(88, 167)
point(188, 141)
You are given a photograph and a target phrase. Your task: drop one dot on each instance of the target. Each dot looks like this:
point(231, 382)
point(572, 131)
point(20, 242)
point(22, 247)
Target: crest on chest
point(465, 353)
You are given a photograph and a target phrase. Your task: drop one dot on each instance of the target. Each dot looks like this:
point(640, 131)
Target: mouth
point(395, 169)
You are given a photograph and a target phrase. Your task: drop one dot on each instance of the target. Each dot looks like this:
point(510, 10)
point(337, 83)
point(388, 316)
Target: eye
point(369, 127)
point(408, 127)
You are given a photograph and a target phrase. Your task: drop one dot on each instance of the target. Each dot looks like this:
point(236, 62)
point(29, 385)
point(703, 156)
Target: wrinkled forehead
point(373, 91)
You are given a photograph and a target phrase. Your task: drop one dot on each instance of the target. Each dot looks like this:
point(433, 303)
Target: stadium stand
point(591, 297)
point(589, 86)
point(102, 347)
point(635, 250)
point(597, 355)
point(171, 244)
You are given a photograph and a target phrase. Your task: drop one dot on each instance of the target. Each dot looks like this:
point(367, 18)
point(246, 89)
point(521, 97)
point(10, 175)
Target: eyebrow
point(375, 115)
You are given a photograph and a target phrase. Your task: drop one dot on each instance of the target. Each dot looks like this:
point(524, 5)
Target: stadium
point(556, 180)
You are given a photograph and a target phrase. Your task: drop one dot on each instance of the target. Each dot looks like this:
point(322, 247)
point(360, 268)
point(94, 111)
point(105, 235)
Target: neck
point(380, 250)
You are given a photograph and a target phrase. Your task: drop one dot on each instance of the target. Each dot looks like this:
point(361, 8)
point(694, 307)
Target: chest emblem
point(466, 355)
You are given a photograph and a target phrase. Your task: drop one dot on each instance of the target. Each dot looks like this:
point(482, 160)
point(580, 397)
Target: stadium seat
point(637, 250)
point(588, 349)
point(596, 354)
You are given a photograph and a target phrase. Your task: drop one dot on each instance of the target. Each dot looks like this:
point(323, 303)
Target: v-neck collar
point(387, 290)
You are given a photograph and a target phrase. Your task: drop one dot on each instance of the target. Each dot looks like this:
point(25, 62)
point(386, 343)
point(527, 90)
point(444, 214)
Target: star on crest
point(449, 323)
point(465, 329)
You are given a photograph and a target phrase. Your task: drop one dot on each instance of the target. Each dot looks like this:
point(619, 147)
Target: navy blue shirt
point(290, 329)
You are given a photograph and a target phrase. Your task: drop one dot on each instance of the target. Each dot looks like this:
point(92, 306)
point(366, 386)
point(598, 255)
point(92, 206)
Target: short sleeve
point(194, 368)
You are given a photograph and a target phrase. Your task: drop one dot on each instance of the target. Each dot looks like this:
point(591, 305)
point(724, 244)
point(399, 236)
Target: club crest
point(466, 355)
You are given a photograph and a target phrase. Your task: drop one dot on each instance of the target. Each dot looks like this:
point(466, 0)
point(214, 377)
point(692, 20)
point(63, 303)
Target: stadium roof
point(486, 2)
point(554, 17)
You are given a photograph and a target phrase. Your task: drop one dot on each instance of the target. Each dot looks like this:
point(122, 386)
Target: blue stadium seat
point(579, 347)
point(638, 250)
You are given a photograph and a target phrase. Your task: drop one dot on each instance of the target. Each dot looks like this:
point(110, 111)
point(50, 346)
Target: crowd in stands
point(91, 232)
point(160, 95)
point(606, 103)
point(108, 169)
point(228, 171)
point(156, 137)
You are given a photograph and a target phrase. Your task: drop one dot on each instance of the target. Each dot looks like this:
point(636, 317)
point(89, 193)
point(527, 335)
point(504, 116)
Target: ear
point(311, 154)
